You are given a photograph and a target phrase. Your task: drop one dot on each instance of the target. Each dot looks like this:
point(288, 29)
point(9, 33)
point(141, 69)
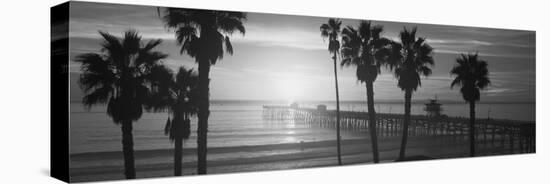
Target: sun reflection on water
point(290, 139)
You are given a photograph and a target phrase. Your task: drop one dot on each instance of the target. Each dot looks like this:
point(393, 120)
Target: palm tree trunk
point(204, 80)
point(178, 149)
point(337, 111)
point(372, 121)
point(406, 122)
point(128, 150)
point(472, 128)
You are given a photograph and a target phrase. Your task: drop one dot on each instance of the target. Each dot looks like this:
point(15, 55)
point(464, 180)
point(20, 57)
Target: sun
point(290, 89)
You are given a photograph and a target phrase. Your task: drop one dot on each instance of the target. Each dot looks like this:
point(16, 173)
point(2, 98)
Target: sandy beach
point(155, 163)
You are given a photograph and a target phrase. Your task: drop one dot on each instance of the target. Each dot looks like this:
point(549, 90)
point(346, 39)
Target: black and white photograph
point(160, 91)
point(213, 91)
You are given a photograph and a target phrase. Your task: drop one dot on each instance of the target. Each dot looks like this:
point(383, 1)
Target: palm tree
point(177, 96)
point(472, 75)
point(366, 49)
point(331, 30)
point(202, 34)
point(411, 59)
point(119, 77)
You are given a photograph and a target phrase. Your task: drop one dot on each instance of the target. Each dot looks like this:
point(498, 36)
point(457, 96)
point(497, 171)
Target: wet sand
point(154, 163)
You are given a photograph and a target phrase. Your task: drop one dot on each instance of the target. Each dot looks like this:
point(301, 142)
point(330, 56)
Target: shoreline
point(228, 149)
point(306, 155)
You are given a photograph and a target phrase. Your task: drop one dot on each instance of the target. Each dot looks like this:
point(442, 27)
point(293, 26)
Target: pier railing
point(514, 136)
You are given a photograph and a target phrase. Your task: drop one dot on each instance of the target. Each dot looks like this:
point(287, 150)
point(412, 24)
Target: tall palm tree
point(411, 59)
point(178, 97)
point(331, 30)
point(202, 34)
point(367, 50)
point(119, 77)
point(472, 75)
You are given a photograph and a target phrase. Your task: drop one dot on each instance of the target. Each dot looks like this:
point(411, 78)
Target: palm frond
point(185, 33)
point(151, 44)
point(175, 17)
point(232, 21)
point(190, 46)
point(325, 30)
point(149, 58)
point(167, 127)
point(228, 46)
point(131, 42)
point(113, 48)
point(98, 96)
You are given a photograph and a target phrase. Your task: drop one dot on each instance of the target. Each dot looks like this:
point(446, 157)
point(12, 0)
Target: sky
point(284, 57)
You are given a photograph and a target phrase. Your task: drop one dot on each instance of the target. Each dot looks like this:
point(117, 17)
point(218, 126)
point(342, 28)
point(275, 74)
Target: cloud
point(459, 42)
point(89, 29)
point(497, 90)
point(281, 37)
point(277, 47)
point(483, 48)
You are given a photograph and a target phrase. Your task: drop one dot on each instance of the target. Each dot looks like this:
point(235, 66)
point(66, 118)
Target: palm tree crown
point(203, 34)
point(411, 59)
point(331, 30)
point(177, 96)
point(472, 75)
point(365, 48)
point(119, 75)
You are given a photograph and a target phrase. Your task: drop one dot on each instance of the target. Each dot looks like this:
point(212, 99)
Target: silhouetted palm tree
point(177, 96)
point(366, 49)
point(119, 77)
point(411, 59)
point(331, 30)
point(472, 75)
point(202, 34)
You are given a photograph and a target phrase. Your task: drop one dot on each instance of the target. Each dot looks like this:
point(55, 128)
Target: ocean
point(240, 123)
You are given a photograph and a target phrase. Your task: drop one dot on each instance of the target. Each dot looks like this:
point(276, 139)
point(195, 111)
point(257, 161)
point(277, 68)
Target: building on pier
point(294, 105)
point(321, 108)
point(433, 109)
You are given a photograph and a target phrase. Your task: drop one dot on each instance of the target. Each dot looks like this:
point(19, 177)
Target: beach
point(155, 163)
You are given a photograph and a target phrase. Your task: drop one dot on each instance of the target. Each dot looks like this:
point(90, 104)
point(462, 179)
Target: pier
point(508, 136)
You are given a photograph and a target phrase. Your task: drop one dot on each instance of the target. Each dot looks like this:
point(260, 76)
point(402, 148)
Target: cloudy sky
point(283, 57)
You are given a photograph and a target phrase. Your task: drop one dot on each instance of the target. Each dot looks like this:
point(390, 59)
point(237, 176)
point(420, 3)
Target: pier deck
point(517, 136)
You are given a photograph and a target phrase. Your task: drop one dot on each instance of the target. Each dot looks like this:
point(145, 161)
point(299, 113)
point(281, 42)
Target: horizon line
point(364, 101)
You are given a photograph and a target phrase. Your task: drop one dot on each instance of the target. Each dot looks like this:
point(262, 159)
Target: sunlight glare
point(290, 88)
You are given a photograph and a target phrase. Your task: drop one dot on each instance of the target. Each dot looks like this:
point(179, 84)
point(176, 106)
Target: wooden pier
point(510, 136)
